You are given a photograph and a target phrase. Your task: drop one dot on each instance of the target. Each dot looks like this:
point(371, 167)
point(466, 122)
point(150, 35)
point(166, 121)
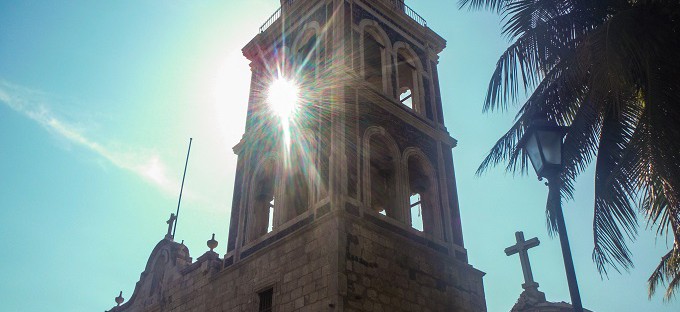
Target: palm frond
point(672, 287)
point(580, 144)
point(658, 276)
point(614, 215)
point(536, 52)
point(666, 273)
point(522, 16)
point(491, 5)
point(562, 108)
point(506, 149)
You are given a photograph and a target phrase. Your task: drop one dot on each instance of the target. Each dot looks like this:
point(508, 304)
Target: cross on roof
point(522, 247)
point(170, 222)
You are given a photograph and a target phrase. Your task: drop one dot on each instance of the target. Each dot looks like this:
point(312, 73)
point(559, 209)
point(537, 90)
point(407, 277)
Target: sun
point(283, 97)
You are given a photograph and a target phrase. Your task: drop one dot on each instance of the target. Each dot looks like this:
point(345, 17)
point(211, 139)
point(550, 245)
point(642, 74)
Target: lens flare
point(283, 97)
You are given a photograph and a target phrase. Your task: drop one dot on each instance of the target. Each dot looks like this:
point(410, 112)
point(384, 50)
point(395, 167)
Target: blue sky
point(98, 100)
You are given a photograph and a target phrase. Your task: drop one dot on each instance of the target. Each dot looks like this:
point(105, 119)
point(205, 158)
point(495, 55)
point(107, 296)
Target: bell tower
point(363, 157)
point(345, 194)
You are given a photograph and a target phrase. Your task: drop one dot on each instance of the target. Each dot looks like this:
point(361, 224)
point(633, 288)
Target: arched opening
point(383, 177)
point(421, 195)
point(373, 60)
point(407, 79)
point(307, 57)
point(307, 54)
point(296, 183)
point(264, 199)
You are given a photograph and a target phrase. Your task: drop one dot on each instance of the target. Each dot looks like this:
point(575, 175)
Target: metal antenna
point(181, 189)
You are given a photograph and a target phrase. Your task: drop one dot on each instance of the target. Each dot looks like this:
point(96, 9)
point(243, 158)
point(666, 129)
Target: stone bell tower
point(347, 203)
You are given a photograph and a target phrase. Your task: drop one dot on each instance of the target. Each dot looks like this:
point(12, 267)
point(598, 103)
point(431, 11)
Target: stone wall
point(298, 267)
point(340, 262)
point(385, 271)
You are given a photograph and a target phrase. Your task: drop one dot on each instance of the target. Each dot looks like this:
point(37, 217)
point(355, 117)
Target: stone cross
point(170, 223)
point(522, 247)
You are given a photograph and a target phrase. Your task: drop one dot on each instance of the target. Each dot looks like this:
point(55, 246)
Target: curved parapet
point(165, 265)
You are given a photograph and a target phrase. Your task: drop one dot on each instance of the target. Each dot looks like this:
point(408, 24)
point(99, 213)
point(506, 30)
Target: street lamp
point(543, 143)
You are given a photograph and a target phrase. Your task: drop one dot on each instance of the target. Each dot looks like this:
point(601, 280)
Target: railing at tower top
point(270, 20)
point(274, 16)
point(398, 5)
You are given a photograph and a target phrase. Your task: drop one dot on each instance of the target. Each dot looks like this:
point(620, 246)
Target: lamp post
point(543, 143)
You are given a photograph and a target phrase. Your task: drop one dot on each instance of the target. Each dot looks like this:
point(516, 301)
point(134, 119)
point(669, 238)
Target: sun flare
point(283, 97)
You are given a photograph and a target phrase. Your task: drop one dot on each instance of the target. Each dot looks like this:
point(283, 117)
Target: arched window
point(375, 56)
point(383, 177)
point(264, 199)
point(296, 182)
point(422, 194)
point(373, 60)
point(307, 56)
point(307, 50)
point(407, 79)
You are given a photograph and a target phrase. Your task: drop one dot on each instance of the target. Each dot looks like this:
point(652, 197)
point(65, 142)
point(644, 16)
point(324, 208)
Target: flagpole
point(181, 189)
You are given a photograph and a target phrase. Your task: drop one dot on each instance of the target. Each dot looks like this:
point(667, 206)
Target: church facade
point(350, 202)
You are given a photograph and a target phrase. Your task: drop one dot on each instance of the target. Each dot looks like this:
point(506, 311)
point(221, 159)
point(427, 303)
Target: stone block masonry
point(297, 267)
point(384, 271)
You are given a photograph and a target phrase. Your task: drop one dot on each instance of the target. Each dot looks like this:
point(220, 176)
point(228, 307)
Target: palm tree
point(610, 70)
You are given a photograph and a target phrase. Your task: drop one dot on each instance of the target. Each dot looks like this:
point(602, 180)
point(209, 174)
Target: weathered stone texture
point(380, 271)
point(297, 267)
point(388, 272)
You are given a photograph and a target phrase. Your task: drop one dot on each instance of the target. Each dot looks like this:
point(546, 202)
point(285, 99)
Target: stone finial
point(212, 243)
point(120, 299)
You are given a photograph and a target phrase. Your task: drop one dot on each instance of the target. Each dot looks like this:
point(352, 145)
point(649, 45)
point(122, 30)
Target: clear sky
point(99, 98)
